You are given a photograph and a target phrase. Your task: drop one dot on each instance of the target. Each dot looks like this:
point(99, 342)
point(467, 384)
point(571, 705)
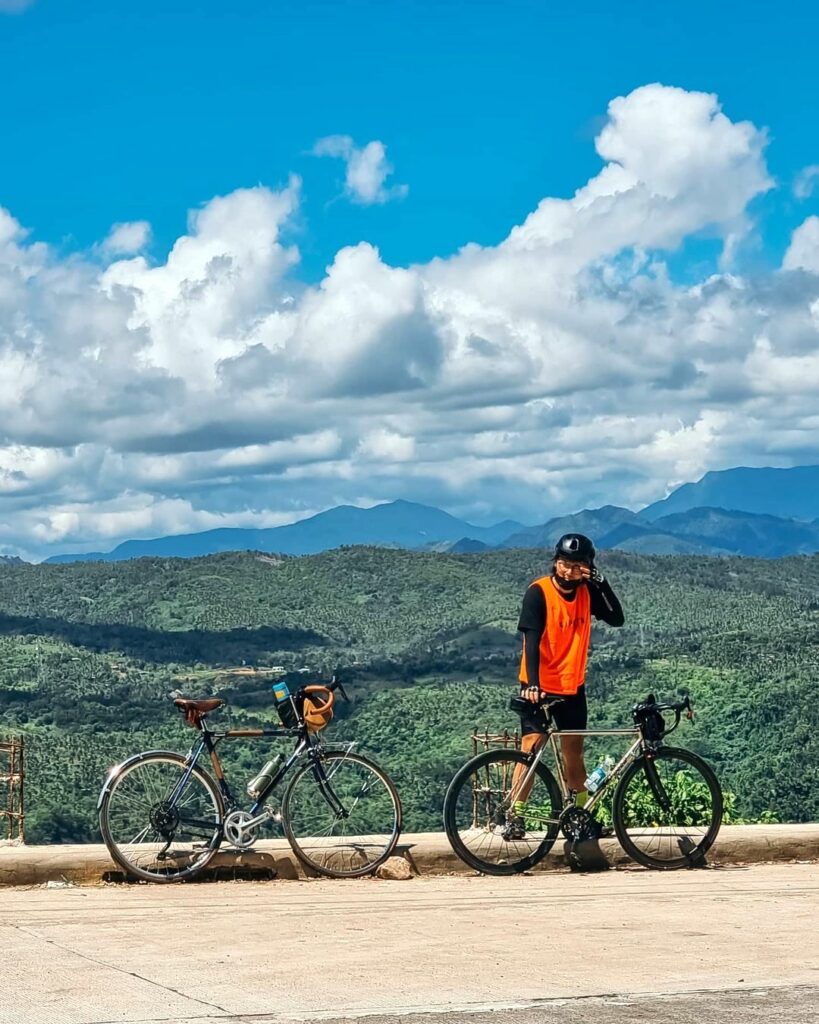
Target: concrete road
point(628, 946)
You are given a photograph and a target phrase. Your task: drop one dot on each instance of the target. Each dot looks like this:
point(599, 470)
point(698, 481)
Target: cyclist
point(555, 620)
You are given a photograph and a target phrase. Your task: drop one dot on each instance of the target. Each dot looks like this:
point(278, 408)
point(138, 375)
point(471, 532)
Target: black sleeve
point(533, 610)
point(604, 604)
point(532, 622)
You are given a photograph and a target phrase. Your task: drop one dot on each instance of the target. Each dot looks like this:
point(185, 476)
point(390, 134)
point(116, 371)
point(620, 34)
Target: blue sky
point(512, 259)
point(127, 112)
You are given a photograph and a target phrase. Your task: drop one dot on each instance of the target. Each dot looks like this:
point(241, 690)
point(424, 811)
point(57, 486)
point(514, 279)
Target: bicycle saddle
point(187, 704)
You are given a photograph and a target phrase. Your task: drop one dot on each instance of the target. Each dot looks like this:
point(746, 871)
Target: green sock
point(519, 806)
point(581, 798)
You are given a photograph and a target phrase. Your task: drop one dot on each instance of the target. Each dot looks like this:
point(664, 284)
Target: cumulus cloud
point(127, 239)
point(367, 169)
point(805, 182)
point(561, 368)
point(803, 252)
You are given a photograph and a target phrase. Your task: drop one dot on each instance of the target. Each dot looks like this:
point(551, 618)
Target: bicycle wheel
point(158, 825)
point(477, 807)
point(667, 809)
point(342, 815)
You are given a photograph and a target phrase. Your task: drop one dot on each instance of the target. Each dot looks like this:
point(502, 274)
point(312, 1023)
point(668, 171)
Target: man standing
point(556, 624)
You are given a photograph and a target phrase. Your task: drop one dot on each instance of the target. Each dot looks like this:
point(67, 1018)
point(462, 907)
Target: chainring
point(236, 831)
point(577, 824)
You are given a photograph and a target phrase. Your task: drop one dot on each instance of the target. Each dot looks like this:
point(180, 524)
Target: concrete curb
point(427, 853)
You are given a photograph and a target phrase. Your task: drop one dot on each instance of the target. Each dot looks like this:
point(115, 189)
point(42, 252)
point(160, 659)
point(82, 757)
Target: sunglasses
point(571, 567)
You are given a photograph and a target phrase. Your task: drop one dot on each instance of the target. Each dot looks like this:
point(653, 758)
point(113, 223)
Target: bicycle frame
point(307, 743)
point(550, 739)
point(210, 740)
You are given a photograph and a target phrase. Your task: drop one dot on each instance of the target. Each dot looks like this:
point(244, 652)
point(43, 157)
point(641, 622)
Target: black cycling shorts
point(570, 713)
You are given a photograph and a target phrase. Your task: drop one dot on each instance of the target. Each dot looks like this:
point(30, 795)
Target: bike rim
point(669, 811)
point(158, 828)
point(479, 814)
point(346, 825)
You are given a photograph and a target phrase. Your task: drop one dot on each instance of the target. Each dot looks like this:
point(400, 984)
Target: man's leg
point(528, 743)
point(573, 764)
point(572, 713)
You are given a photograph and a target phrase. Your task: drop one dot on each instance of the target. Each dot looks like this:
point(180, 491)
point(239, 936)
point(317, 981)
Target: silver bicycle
point(666, 809)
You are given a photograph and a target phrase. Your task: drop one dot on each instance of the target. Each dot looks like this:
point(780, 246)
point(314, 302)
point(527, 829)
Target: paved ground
point(723, 944)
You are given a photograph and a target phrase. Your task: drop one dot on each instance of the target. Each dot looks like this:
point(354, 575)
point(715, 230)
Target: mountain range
point(402, 524)
point(758, 512)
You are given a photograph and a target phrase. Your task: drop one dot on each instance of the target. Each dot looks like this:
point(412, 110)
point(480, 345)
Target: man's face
point(569, 571)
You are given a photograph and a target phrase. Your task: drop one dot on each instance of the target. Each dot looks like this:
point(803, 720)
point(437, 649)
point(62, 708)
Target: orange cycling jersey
point(564, 645)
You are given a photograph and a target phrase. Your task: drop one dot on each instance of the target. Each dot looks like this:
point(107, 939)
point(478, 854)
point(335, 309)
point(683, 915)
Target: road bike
point(666, 809)
point(163, 816)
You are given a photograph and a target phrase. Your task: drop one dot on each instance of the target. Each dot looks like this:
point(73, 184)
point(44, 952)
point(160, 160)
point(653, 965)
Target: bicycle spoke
point(669, 809)
point(345, 843)
point(480, 821)
point(151, 832)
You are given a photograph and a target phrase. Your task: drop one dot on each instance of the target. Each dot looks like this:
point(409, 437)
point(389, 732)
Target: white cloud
point(127, 239)
point(204, 304)
point(385, 446)
point(367, 169)
point(138, 514)
point(803, 252)
point(805, 181)
point(561, 368)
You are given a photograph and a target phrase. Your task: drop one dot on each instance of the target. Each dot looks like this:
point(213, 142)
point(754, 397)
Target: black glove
point(597, 576)
point(531, 693)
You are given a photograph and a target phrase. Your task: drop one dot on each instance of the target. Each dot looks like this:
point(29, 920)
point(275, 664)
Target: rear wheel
point(342, 815)
point(160, 822)
point(667, 809)
point(478, 808)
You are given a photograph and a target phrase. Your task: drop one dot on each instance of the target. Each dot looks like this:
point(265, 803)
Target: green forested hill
point(89, 651)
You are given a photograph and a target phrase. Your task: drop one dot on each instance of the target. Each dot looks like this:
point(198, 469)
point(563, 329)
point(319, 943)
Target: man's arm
point(532, 623)
point(604, 602)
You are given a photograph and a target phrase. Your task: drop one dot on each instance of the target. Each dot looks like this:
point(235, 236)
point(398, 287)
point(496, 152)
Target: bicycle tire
point(335, 848)
point(692, 857)
point(112, 784)
point(453, 793)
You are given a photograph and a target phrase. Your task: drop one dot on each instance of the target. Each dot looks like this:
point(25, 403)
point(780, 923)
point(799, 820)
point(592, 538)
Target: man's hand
point(596, 576)
point(531, 693)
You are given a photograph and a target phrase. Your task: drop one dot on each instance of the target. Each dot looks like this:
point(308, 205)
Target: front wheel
point(342, 815)
point(160, 819)
point(667, 809)
point(478, 813)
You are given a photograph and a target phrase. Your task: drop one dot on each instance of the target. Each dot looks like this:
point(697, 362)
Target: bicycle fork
point(327, 791)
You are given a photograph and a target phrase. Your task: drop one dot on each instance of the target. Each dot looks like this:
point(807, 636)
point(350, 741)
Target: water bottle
point(259, 784)
point(599, 775)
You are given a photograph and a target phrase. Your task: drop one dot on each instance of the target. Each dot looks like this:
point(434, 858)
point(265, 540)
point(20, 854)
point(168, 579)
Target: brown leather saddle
point(195, 710)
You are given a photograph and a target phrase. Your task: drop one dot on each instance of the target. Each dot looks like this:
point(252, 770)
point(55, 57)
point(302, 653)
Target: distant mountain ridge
point(786, 493)
point(595, 522)
point(738, 521)
point(404, 524)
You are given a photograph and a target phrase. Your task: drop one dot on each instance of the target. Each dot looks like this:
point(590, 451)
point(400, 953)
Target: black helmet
point(574, 547)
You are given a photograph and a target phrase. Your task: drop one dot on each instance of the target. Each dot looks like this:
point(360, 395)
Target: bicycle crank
point(241, 829)
point(577, 824)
